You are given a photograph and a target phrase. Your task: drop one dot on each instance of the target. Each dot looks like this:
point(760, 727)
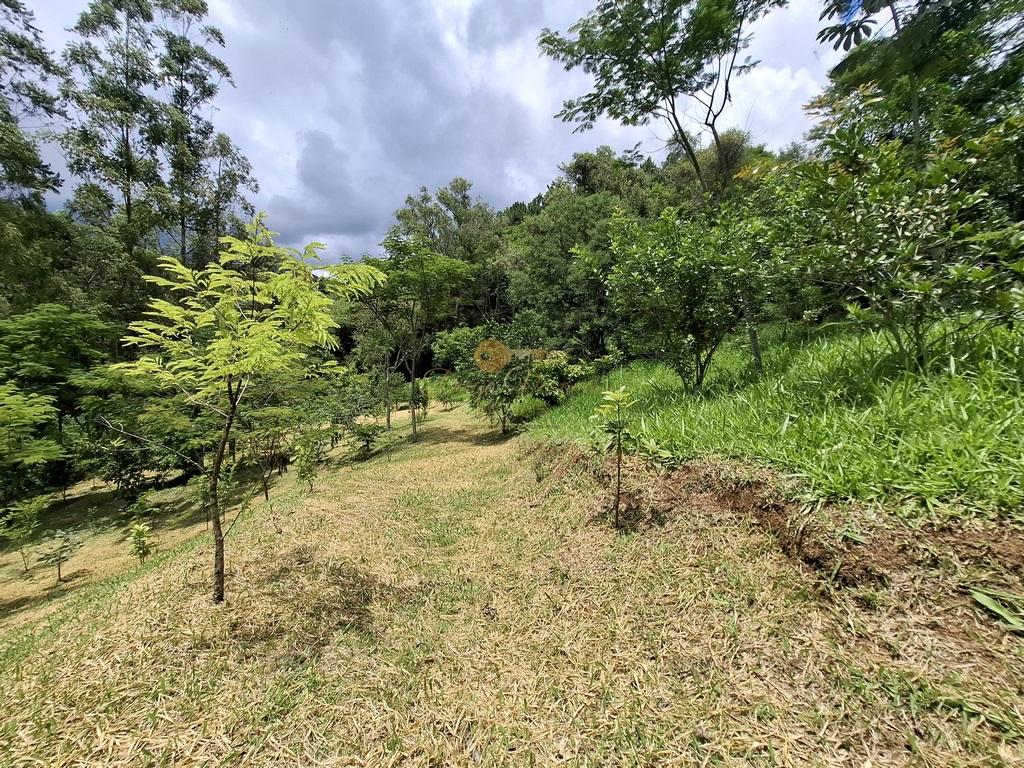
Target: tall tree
point(25, 68)
point(112, 140)
point(190, 75)
point(421, 294)
point(657, 58)
point(454, 224)
point(223, 207)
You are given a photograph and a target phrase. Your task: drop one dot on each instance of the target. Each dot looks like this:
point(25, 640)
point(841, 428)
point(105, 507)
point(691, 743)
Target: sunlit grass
point(438, 604)
point(834, 411)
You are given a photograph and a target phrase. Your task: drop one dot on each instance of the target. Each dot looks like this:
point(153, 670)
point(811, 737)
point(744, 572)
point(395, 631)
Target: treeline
point(901, 214)
point(128, 103)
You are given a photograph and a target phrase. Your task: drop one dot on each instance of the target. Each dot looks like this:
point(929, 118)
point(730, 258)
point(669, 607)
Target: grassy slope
point(100, 524)
point(443, 606)
point(831, 411)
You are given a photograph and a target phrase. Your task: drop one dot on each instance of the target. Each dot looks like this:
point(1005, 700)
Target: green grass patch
point(834, 410)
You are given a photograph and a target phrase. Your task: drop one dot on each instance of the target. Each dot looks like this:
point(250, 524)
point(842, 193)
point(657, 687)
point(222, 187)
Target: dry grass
point(440, 606)
point(96, 516)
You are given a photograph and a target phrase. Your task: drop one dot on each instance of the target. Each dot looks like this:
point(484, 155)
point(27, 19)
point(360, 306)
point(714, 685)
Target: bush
point(365, 436)
point(444, 389)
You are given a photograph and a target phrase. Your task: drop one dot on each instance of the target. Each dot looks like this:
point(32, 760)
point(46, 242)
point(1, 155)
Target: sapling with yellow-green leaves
point(142, 543)
point(23, 524)
point(613, 421)
point(256, 313)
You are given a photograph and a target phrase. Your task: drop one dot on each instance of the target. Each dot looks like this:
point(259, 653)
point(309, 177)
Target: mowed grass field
point(462, 602)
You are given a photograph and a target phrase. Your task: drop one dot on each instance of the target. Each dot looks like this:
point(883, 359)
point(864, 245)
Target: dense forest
point(841, 317)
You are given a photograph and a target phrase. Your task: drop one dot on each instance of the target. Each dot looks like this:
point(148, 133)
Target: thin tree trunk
point(182, 224)
point(412, 396)
point(684, 142)
point(618, 476)
point(215, 513)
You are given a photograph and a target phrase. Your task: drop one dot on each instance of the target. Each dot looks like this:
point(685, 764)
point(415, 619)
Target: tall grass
point(834, 410)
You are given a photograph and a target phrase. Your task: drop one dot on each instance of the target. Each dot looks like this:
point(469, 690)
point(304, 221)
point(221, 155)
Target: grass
point(833, 411)
point(101, 524)
point(438, 605)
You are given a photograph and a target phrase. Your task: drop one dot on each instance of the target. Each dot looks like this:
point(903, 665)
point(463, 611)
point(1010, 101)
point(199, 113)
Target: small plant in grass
point(612, 419)
point(64, 544)
point(365, 437)
point(141, 508)
point(310, 450)
point(142, 543)
point(23, 523)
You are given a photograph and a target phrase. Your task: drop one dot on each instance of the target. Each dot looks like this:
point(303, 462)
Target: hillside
point(462, 601)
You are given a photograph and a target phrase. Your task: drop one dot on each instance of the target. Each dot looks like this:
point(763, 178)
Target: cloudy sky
point(345, 107)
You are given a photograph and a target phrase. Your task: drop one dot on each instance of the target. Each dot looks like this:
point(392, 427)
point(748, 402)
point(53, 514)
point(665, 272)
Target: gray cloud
point(344, 108)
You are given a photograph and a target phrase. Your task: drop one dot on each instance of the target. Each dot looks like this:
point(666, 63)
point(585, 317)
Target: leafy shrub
point(550, 377)
point(445, 390)
point(365, 436)
point(309, 452)
point(140, 508)
point(912, 245)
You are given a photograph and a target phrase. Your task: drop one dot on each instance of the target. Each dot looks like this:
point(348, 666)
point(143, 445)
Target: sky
point(344, 107)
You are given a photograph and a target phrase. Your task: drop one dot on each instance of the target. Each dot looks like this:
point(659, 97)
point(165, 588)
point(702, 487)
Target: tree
point(555, 261)
point(224, 206)
point(650, 57)
point(421, 293)
point(45, 348)
point(63, 544)
point(454, 224)
point(25, 68)
point(257, 312)
point(675, 290)
point(190, 75)
point(112, 143)
point(23, 445)
point(22, 524)
point(945, 67)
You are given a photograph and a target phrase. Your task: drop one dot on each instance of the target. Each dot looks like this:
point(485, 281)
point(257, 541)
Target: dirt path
point(442, 606)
